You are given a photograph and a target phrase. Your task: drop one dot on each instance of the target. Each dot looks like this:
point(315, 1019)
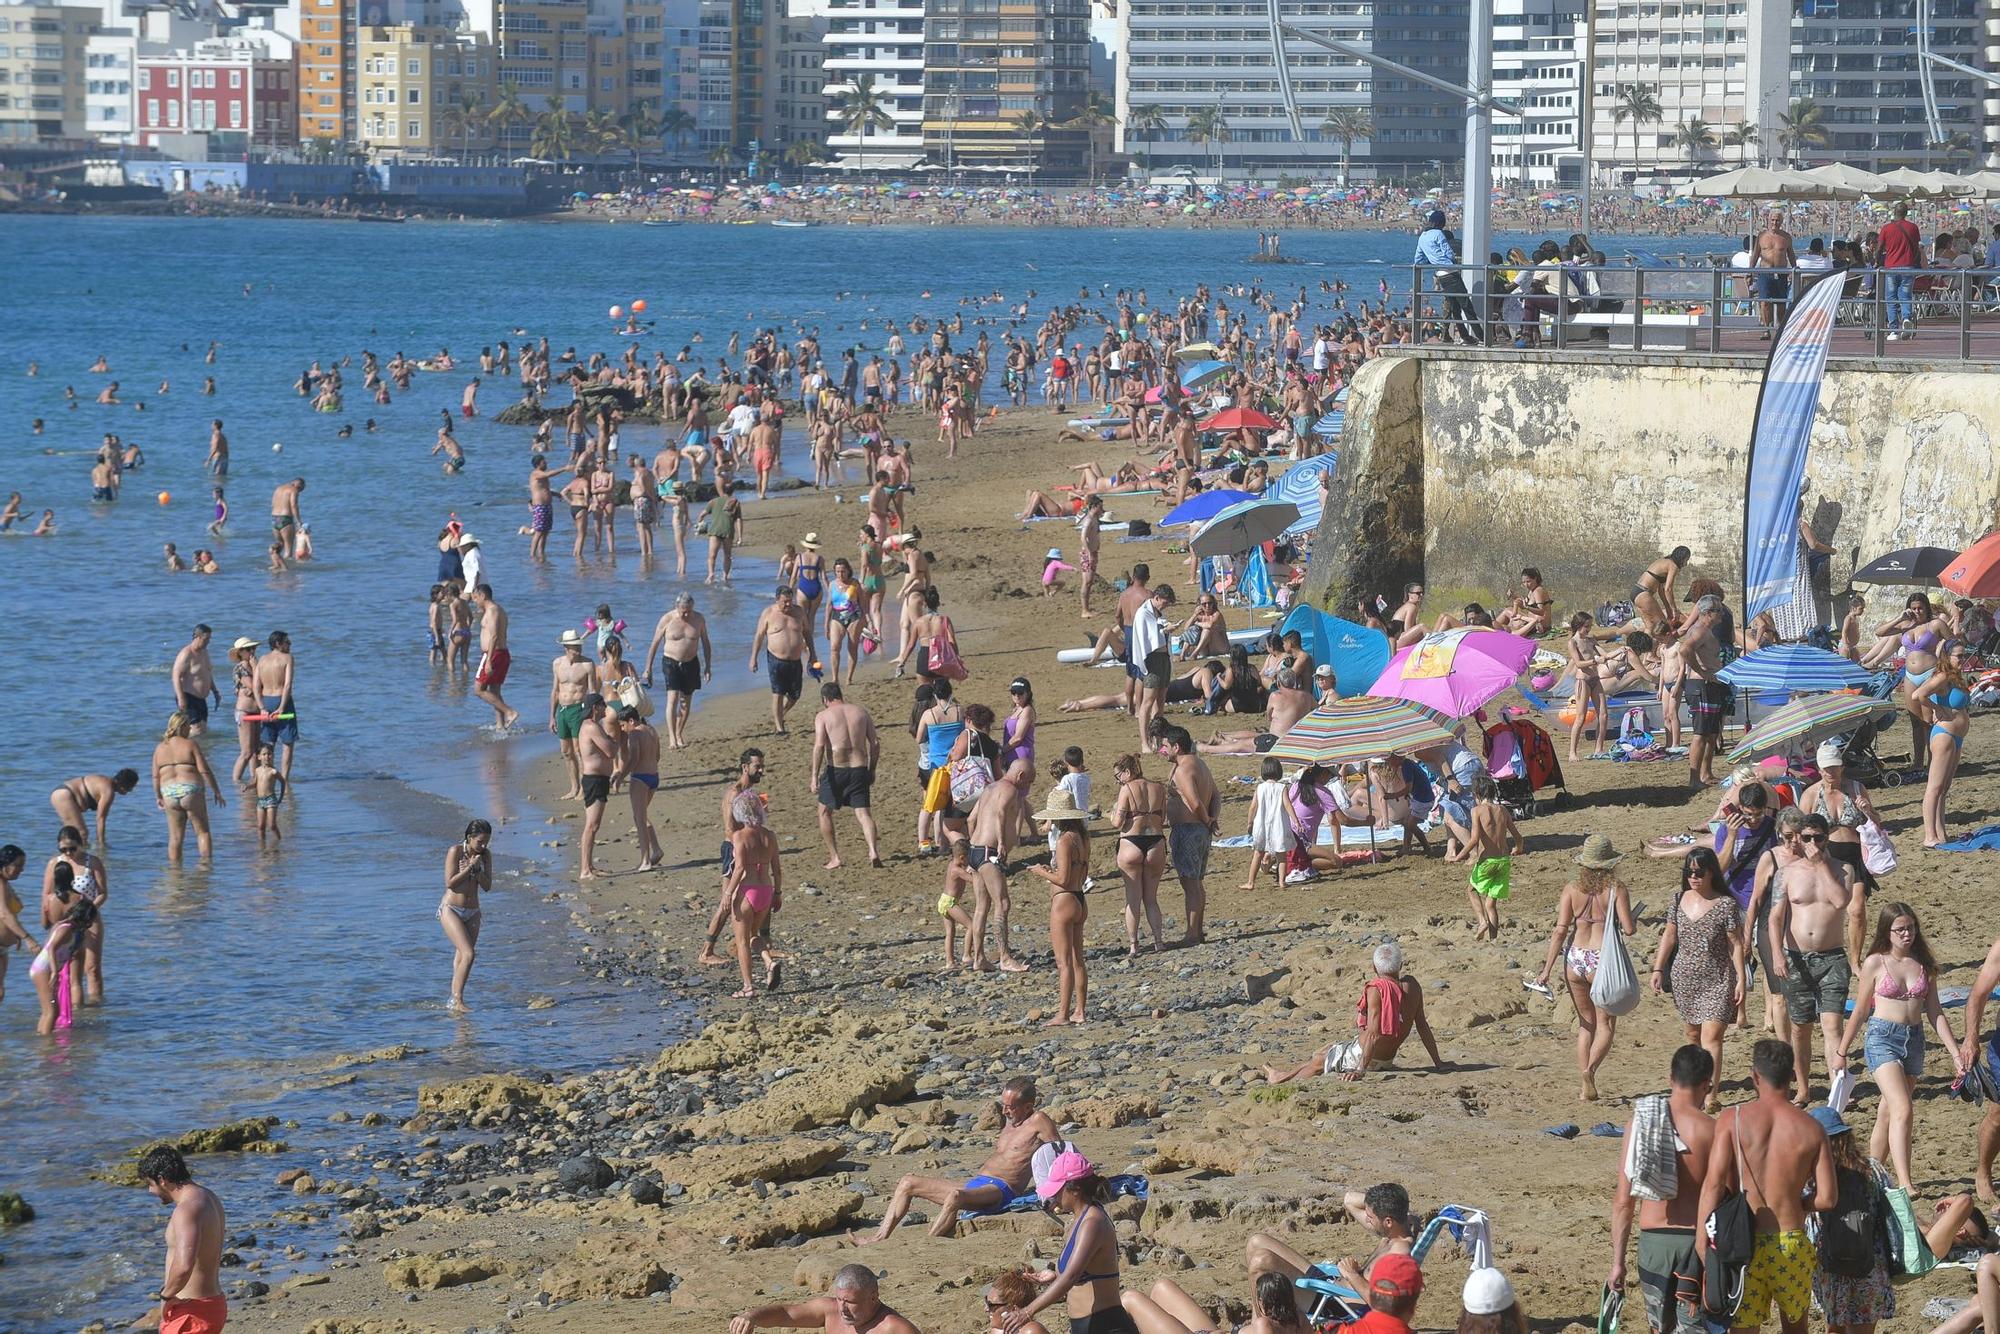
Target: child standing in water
point(468, 868)
point(270, 792)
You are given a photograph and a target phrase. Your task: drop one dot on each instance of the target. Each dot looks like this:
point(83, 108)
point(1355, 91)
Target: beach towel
point(1979, 840)
point(1255, 585)
point(1350, 837)
point(1650, 1164)
point(1120, 1186)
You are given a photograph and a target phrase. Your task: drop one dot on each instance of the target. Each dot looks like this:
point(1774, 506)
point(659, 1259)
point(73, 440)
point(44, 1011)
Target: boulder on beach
point(825, 1096)
point(714, 1165)
point(441, 1270)
point(252, 1135)
point(14, 1210)
point(614, 1266)
point(481, 1095)
point(810, 1211)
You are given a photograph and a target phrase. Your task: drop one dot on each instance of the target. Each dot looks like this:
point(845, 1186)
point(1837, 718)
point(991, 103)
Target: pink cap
point(1068, 1167)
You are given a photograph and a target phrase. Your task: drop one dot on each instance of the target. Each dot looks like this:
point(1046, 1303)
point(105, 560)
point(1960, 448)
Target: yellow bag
point(937, 795)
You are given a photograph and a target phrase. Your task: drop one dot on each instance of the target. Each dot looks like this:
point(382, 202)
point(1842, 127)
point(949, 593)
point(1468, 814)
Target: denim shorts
point(1889, 1043)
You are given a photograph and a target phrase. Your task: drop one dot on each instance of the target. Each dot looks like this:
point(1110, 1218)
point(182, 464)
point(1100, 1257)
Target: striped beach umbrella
point(1793, 669)
point(1348, 731)
point(1808, 721)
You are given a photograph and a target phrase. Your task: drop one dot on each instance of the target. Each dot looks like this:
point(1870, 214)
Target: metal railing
point(1938, 313)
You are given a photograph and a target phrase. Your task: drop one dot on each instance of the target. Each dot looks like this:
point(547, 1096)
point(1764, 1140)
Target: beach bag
point(635, 697)
point(1616, 988)
point(945, 661)
point(1632, 729)
point(969, 777)
point(937, 795)
point(1910, 1254)
point(1878, 854)
point(1731, 1241)
point(1850, 1237)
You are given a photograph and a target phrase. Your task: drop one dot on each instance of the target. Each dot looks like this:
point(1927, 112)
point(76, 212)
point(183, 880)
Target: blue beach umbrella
point(1357, 654)
point(1204, 506)
point(1792, 669)
point(1204, 373)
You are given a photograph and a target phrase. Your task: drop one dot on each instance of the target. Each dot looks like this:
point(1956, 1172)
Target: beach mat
point(1351, 836)
point(1122, 1185)
point(1979, 840)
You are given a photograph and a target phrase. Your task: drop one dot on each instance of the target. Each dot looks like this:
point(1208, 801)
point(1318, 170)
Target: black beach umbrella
point(1911, 565)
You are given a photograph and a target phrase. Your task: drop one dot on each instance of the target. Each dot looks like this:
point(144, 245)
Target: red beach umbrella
point(1237, 419)
point(1976, 572)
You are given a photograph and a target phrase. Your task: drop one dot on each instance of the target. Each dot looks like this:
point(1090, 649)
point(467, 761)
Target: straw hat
point(810, 541)
point(242, 643)
point(572, 638)
point(1598, 854)
point(1062, 806)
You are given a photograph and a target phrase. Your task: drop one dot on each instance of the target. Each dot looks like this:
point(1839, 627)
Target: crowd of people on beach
point(1775, 884)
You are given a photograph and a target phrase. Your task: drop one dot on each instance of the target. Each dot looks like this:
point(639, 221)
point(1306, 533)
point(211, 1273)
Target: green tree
point(1743, 137)
point(1095, 115)
point(1638, 103)
point(1146, 120)
point(601, 133)
point(461, 117)
point(1694, 136)
point(677, 125)
point(802, 153)
point(1347, 124)
point(860, 109)
point(723, 157)
point(1802, 126)
point(555, 132)
point(641, 128)
point(508, 110)
point(1209, 126)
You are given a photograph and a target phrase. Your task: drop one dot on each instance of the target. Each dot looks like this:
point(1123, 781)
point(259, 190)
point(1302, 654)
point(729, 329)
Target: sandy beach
point(737, 1160)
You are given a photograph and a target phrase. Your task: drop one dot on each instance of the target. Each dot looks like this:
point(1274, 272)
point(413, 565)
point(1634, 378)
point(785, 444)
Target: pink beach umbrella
point(1455, 671)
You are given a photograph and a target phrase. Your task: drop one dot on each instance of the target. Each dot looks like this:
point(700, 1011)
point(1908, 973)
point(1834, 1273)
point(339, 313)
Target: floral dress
point(1702, 978)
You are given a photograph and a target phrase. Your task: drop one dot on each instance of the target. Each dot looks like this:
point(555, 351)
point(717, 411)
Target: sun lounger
point(1333, 1299)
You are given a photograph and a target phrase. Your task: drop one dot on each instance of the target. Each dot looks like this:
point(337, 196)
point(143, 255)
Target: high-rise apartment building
point(236, 92)
point(1725, 62)
point(423, 92)
point(325, 71)
point(110, 58)
point(793, 108)
point(1206, 70)
point(1857, 60)
point(990, 63)
point(1538, 66)
point(881, 43)
point(44, 72)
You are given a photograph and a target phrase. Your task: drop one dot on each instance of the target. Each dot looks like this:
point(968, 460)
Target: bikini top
point(1954, 698)
point(1920, 641)
point(1892, 988)
point(1070, 1245)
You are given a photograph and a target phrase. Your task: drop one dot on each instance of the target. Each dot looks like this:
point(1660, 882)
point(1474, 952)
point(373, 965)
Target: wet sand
point(791, 1117)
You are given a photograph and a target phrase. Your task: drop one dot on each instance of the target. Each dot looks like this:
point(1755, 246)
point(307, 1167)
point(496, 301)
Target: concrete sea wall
point(1460, 468)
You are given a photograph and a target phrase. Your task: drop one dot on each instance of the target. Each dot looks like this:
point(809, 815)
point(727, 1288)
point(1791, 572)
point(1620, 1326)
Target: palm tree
point(1638, 103)
point(461, 117)
point(802, 153)
point(677, 125)
point(1347, 124)
point(508, 110)
point(600, 132)
point(860, 110)
point(1148, 120)
point(1802, 126)
point(1743, 137)
point(555, 132)
point(641, 128)
point(1957, 147)
point(1694, 136)
point(1208, 126)
point(1094, 116)
point(723, 156)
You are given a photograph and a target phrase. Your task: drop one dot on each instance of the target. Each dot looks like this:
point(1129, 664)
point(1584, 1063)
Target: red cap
point(1396, 1276)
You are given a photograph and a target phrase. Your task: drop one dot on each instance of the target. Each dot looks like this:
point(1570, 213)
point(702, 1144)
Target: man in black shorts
point(846, 749)
point(598, 752)
point(1710, 696)
point(680, 645)
point(781, 634)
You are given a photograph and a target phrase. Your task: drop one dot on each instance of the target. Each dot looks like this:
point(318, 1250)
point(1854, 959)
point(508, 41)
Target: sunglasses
point(1810, 838)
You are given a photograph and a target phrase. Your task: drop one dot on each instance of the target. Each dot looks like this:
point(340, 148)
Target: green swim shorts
point(1493, 876)
point(569, 721)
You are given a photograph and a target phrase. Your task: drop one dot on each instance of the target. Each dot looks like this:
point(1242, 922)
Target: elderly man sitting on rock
point(1004, 1174)
point(1391, 1005)
point(854, 1306)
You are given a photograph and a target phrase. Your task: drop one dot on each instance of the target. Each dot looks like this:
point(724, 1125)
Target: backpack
point(1851, 1238)
point(969, 777)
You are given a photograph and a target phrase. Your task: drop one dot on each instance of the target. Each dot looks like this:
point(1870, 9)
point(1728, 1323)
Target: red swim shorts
point(203, 1315)
point(493, 668)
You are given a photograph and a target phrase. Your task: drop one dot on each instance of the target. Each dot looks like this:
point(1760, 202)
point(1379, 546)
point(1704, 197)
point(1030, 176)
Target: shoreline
point(788, 1120)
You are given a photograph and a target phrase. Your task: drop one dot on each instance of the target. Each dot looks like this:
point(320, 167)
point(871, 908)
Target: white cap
point(1831, 754)
point(1487, 1292)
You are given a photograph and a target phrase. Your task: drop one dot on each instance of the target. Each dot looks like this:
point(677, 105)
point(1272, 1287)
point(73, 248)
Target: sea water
point(233, 985)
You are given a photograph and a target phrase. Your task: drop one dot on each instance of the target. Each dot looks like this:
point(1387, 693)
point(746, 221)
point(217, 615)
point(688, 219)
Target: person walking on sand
point(846, 749)
point(680, 645)
point(1702, 954)
point(754, 890)
point(1067, 909)
point(781, 638)
point(1492, 842)
point(1582, 913)
point(1787, 1172)
point(640, 749)
point(1141, 816)
point(1818, 921)
point(493, 657)
point(1669, 1274)
point(1194, 807)
point(468, 869)
point(990, 829)
point(1006, 1173)
point(572, 676)
point(599, 755)
point(190, 1293)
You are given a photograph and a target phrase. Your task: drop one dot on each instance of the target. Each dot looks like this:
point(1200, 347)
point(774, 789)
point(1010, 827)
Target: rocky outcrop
point(613, 1267)
point(825, 1096)
point(248, 1136)
point(1371, 534)
point(481, 1096)
point(719, 1165)
point(746, 1223)
point(14, 1210)
point(441, 1270)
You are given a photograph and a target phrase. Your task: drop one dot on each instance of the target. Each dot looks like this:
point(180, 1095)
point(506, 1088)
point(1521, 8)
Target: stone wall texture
point(1589, 467)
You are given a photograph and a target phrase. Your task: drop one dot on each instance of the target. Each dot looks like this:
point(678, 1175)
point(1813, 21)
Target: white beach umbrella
point(1764, 183)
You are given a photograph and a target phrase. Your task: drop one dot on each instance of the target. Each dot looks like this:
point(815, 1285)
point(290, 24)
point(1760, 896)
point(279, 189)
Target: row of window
point(200, 115)
point(52, 27)
point(375, 96)
point(378, 127)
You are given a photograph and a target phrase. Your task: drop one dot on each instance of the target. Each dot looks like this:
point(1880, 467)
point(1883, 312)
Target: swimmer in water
point(468, 868)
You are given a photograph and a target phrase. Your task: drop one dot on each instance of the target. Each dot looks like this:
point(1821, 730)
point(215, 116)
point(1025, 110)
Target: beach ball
point(165, 496)
point(618, 312)
point(638, 307)
point(277, 446)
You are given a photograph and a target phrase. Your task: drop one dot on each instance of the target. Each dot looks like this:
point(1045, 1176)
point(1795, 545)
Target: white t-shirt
point(1078, 787)
point(741, 418)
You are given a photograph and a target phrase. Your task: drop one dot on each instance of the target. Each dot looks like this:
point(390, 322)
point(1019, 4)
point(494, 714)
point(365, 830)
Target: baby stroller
point(1522, 761)
point(1863, 765)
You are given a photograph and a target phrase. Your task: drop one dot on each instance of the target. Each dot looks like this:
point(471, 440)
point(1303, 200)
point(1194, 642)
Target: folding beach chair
point(1333, 1300)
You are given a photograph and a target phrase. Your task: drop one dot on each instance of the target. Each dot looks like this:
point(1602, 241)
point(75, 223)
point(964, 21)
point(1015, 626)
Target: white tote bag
point(1878, 854)
point(1616, 990)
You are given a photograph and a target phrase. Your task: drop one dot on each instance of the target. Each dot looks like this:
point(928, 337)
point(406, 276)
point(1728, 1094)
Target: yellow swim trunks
point(1493, 877)
point(1781, 1271)
point(946, 902)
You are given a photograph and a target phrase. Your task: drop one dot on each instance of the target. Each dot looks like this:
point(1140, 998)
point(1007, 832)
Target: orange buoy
point(165, 497)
